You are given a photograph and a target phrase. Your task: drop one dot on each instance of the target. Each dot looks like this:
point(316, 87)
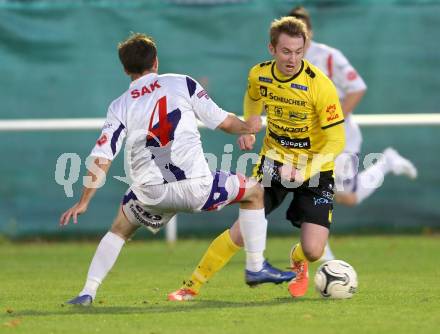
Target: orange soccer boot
point(181, 295)
point(298, 285)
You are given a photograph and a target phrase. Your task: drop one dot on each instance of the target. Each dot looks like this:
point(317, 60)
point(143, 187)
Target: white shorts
point(346, 171)
point(154, 206)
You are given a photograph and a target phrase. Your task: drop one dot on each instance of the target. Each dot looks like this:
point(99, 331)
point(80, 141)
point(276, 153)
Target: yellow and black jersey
point(299, 109)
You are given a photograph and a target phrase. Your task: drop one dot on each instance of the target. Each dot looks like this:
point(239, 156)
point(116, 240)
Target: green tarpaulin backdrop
point(58, 60)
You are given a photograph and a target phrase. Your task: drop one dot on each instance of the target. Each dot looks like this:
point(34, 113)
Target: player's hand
point(73, 212)
point(255, 123)
point(246, 142)
point(289, 173)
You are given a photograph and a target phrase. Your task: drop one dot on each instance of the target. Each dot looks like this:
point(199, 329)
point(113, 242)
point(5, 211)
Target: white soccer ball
point(336, 279)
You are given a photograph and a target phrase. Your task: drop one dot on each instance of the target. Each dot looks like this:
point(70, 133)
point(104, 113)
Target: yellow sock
point(219, 252)
point(298, 254)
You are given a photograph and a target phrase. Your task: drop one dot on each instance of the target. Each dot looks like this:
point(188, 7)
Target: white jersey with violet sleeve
point(158, 116)
point(346, 79)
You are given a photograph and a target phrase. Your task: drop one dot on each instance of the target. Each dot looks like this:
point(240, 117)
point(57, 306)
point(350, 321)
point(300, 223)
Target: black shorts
point(309, 204)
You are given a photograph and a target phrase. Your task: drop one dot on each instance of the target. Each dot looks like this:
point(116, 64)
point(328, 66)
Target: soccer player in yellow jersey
point(352, 186)
point(305, 132)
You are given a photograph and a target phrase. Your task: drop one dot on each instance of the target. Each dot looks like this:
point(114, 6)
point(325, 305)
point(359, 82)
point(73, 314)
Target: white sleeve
point(205, 109)
point(112, 136)
point(345, 75)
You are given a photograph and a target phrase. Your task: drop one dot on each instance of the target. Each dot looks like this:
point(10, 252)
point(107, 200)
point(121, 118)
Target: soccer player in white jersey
point(351, 187)
point(158, 117)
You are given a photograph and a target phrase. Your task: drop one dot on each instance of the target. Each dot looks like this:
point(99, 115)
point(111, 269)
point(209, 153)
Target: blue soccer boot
point(84, 300)
point(268, 274)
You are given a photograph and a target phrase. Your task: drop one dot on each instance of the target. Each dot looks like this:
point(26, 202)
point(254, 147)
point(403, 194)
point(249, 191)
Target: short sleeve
point(205, 109)
point(253, 90)
point(327, 104)
point(112, 136)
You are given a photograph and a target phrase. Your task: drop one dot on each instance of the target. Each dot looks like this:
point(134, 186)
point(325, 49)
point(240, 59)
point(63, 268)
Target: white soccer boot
point(398, 164)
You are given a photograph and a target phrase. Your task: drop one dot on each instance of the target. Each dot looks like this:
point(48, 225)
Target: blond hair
point(287, 25)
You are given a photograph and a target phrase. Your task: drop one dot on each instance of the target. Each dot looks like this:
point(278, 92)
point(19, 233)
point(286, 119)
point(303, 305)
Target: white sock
point(254, 261)
point(371, 179)
point(104, 259)
point(253, 227)
point(328, 254)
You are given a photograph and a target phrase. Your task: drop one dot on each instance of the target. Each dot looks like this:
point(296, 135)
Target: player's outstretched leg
point(219, 252)
point(105, 257)
point(253, 226)
point(227, 245)
point(390, 162)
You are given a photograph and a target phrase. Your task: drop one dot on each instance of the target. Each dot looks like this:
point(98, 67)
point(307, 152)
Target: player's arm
point(95, 178)
point(331, 120)
point(335, 140)
point(351, 100)
point(252, 110)
point(251, 107)
point(106, 149)
point(334, 145)
point(232, 124)
point(214, 117)
point(349, 81)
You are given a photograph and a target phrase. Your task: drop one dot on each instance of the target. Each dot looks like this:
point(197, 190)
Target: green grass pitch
point(399, 290)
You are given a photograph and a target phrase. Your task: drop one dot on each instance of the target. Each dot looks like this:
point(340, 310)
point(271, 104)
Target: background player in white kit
point(351, 187)
point(158, 116)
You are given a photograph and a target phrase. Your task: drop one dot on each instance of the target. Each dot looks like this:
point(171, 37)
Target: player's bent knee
point(313, 253)
point(313, 256)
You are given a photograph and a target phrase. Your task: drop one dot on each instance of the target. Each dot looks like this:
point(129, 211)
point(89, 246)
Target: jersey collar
point(145, 77)
point(289, 79)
